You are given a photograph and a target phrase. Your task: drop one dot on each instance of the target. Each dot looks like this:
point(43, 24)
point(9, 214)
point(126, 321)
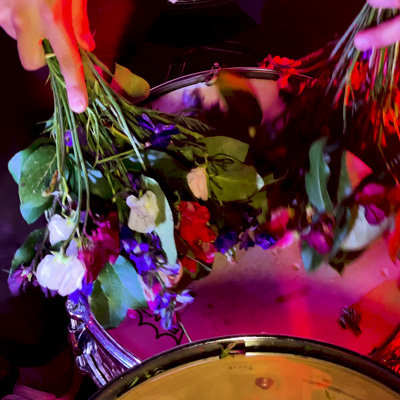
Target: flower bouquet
point(134, 199)
point(138, 201)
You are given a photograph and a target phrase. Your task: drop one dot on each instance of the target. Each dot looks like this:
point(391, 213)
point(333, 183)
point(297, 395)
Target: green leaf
point(232, 181)
point(163, 166)
point(165, 220)
point(317, 178)
point(311, 258)
point(36, 175)
point(345, 188)
point(116, 290)
point(16, 162)
point(98, 184)
point(26, 253)
point(129, 85)
point(32, 214)
point(260, 202)
point(226, 146)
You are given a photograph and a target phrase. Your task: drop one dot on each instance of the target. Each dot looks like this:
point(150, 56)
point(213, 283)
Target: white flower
point(197, 181)
point(60, 228)
point(363, 233)
point(144, 211)
point(61, 273)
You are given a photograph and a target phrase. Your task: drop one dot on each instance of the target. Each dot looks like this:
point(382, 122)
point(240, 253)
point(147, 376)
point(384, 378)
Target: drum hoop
point(205, 76)
point(276, 344)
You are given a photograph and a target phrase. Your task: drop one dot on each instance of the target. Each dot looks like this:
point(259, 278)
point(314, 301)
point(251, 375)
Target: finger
point(80, 23)
point(379, 36)
point(384, 3)
point(60, 34)
point(29, 38)
point(6, 22)
point(8, 27)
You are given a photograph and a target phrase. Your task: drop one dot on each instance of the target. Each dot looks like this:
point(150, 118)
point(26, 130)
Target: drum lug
point(96, 352)
point(212, 78)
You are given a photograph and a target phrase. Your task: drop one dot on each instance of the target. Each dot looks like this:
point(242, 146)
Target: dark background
point(159, 42)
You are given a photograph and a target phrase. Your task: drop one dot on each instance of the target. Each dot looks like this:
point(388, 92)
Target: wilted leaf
point(130, 85)
point(317, 178)
point(240, 98)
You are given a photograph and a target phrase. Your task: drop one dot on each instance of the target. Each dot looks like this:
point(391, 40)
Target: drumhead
point(256, 367)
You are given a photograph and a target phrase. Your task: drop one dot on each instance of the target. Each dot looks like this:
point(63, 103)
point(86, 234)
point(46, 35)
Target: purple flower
point(19, 280)
point(161, 134)
point(164, 308)
point(320, 236)
point(166, 304)
point(143, 262)
point(225, 242)
point(246, 241)
point(82, 136)
point(184, 298)
point(264, 241)
point(68, 138)
point(146, 256)
point(373, 214)
point(87, 289)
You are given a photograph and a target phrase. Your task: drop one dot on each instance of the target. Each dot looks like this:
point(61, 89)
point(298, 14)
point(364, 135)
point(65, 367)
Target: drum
point(250, 368)
point(264, 292)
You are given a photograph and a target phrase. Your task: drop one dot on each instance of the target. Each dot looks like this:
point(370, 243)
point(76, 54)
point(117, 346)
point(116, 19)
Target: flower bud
point(144, 212)
point(61, 273)
point(197, 181)
point(60, 228)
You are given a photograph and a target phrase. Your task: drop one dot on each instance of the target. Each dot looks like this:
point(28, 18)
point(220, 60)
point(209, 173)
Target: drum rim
point(280, 344)
point(204, 76)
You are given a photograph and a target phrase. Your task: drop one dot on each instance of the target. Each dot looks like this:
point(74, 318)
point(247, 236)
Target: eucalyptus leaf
point(345, 188)
point(26, 253)
point(115, 291)
point(233, 181)
point(317, 178)
point(36, 175)
point(226, 146)
point(311, 258)
point(17, 161)
point(130, 85)
point(164, 221)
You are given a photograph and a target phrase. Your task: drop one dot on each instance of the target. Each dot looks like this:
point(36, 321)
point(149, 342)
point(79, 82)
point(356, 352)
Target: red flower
point(194, 219)
point(102, 248)
point(195, 231)
point(189, 264)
